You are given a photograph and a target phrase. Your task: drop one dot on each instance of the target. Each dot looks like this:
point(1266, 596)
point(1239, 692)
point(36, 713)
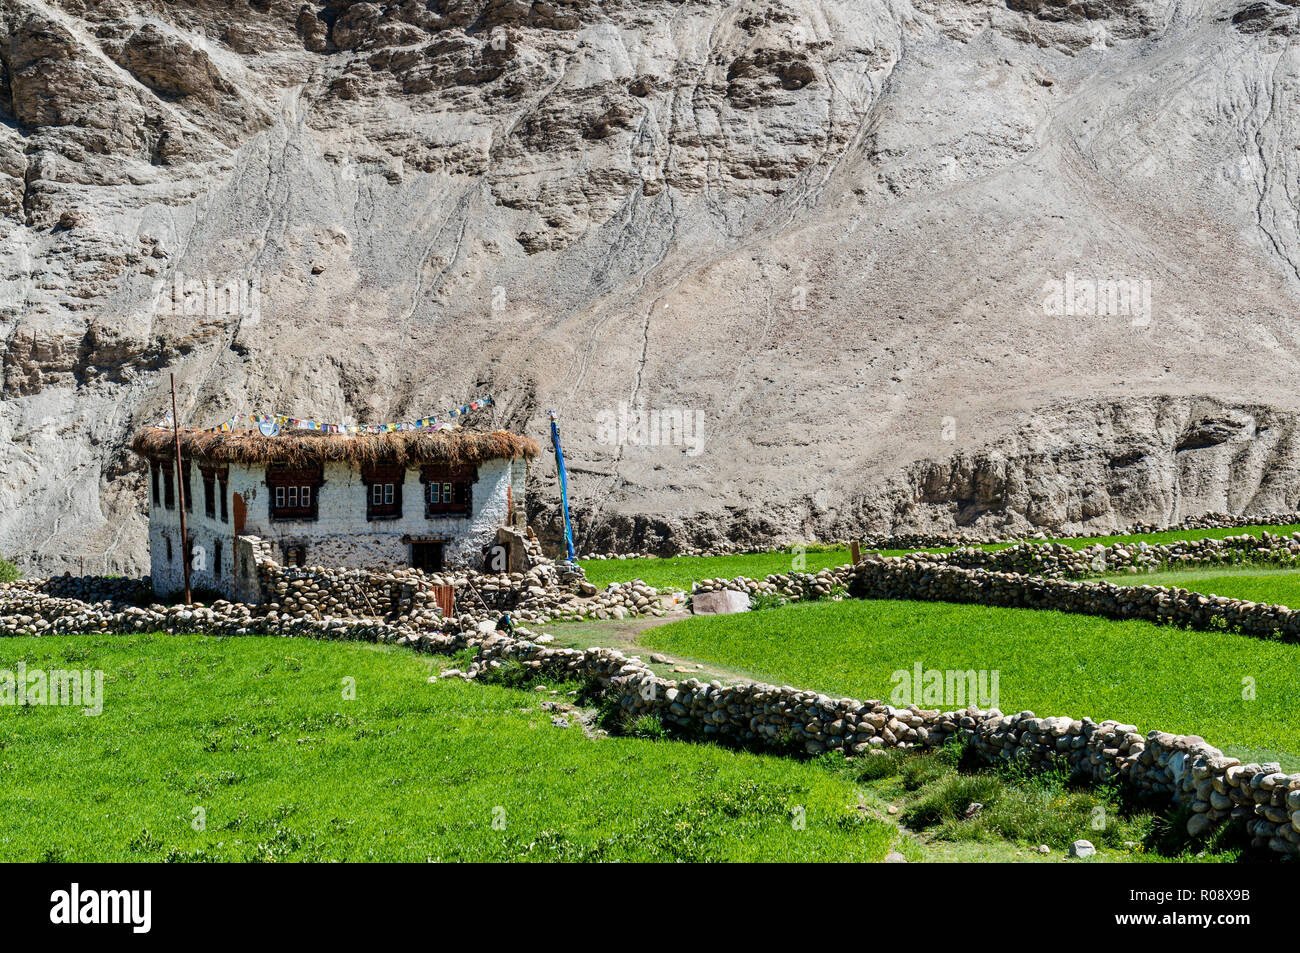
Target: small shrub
point(144, 843)
point(511, 673)
point(609, 713)
point(1167, 836)
point(877, 766)
point(1053, 777)
point(463, 658)
point(767, 600)
point(918, 772)
point(947, 797)
point(650, 727)
point(8, 571)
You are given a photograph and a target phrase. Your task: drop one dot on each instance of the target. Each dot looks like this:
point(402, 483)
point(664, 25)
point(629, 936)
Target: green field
point(1049, 662)
point(256, 732)
point(1275, 586)
point(680, 572)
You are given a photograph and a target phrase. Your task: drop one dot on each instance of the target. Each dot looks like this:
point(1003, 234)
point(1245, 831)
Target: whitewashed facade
point(343, 532)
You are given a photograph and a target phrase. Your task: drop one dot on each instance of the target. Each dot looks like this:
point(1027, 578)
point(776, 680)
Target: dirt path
point(625, 635)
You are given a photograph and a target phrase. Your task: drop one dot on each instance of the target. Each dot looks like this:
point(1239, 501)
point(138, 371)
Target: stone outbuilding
point(430, 500)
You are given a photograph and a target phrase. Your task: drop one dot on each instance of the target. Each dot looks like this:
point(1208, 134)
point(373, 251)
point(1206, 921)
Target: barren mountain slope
point(828, 231)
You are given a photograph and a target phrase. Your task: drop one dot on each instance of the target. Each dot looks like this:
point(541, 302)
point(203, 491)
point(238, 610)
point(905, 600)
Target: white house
point(431, 500)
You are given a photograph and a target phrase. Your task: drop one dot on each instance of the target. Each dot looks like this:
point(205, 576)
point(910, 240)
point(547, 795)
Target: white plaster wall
point(169, 577)
point(342, 536)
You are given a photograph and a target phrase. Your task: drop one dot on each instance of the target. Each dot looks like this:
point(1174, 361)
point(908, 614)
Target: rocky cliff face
point(893, 263)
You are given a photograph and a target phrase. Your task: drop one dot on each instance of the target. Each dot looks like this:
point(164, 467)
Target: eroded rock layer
point(889, 264)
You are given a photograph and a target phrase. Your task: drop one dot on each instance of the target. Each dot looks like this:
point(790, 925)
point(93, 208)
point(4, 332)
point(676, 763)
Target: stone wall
point(1059, 560)
point(273, 596)
point(1033, 576)
point(409, 596)
point(917, 578)
point(1158, 766)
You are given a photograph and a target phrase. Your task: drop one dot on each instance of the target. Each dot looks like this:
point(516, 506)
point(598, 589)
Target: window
point(223, 481)
point(169, 486)
point(295, 555)
point(447, 490)
point(210, 477)
point(186, 485)
point(383, 491)
point(294, 492)
point(168, 540)
point(216, 558)
point(156, 468)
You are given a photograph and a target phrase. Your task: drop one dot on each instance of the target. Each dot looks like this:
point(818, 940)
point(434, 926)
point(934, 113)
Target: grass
point(1049, 662)
point(679, 572)
point(256, 732)
point(964, 812)
point(1275, 586)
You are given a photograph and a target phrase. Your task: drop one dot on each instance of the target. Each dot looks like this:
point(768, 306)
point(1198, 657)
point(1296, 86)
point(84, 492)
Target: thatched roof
point(457, 448)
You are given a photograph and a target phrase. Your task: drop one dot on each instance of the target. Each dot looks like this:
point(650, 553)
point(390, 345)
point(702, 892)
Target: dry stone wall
point(913, 578)
point(1161, 767)
point(1177, 769)
point(1038, 576)
point(1062, 561)
point(315, 599)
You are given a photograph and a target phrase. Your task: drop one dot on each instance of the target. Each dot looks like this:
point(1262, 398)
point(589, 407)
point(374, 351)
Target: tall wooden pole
point(180, 493)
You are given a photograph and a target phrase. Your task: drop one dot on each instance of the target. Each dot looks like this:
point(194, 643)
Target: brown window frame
point(286, 488)
point(155, 471)
point(383, 484)
point(448, 491)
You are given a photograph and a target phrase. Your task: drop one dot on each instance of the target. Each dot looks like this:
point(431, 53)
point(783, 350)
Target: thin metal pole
point(180, 493)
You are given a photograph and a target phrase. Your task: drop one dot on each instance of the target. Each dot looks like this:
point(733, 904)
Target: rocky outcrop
point(826, 227)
